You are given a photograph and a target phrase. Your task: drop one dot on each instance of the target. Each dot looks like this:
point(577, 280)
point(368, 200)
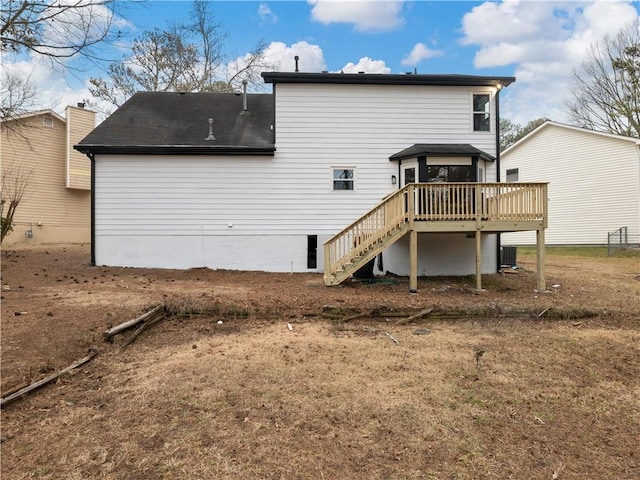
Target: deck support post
point(478, 260)
point(413, 261)
point(540, 253)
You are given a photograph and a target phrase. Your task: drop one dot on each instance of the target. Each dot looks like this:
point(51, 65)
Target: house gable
point(567, 128)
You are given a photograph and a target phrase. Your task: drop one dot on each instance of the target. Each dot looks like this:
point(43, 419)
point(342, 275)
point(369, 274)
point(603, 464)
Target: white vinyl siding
point(594, 184)
point(319, 126)
point(170, 195)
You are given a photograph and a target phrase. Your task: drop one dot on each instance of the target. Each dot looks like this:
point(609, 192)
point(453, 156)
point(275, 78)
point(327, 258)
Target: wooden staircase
point(351, 249)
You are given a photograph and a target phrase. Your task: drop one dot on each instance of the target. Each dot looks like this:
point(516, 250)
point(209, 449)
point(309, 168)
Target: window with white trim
point(342, 178)
point(47, 121)
point(512, 175)
point(481, 112)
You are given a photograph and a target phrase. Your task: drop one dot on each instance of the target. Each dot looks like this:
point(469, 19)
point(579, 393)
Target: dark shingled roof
point(178, 123)
point(441, 150)
point(450, 80)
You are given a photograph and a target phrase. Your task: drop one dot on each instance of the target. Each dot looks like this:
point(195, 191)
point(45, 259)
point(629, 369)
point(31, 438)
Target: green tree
point(182, 57)
point(511, 132)
point(508, 133)
point(606, 94)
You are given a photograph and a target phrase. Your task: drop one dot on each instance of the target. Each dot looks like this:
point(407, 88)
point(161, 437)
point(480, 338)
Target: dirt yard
point(274, 376)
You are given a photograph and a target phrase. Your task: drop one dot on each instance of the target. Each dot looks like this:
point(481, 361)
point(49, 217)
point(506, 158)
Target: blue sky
point(538, 42)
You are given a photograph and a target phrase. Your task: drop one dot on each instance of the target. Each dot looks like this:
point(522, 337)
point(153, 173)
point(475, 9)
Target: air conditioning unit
point(508, 256)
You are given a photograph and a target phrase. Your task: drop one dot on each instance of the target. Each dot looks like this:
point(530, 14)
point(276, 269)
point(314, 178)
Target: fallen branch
point(12, 390)
point(131, 323)
point(418, 315)
point(344, 319)
point(395, 340)
point(9, 398)
point(332, 316)
point(145, 326)
point(544, 311)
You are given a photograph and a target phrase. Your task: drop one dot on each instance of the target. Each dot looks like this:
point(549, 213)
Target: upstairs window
point(47, 121)
point(342, 178)
point(481, 116)
point(512, 175)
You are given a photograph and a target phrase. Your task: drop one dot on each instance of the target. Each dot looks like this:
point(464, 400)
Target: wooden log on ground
point(9, 398)
point(159, 315)
point(353, 317)
point(393, 339)
point(131, 323)
point(390, 314)
point(14, 389)
point(418, 315)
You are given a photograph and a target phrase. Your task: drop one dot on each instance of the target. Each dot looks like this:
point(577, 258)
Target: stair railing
point(373, 226)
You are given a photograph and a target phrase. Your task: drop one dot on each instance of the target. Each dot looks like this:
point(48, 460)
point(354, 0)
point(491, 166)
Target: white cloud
point(367, 65)
point(366, 16)
point(311, 57)
point(53, 90)
point(545, 42)
point(515, 21)
point(266, 14)
point(501, 54)
point(419, 53)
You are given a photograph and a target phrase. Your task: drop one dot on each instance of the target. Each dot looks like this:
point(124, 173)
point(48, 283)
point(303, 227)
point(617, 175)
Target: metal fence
point(618, 240)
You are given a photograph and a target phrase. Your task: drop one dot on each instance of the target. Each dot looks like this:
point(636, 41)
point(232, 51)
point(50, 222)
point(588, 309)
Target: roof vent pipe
point(296, 58)
point(244, 96)
point(210, 137)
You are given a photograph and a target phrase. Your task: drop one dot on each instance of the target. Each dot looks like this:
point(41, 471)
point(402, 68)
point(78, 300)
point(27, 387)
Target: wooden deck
point(438, 207)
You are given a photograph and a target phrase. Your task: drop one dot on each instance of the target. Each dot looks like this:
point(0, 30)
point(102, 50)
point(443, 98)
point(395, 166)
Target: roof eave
point(387, 79)
point(174, 150)
point(453, 153)
point(485, 157)
point(36, 113)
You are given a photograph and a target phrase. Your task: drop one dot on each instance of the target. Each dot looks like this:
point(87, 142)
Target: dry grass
point(518, 386)
point(320, 402)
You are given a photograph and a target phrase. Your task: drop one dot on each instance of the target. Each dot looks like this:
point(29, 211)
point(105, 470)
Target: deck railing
point(479, 201)
point(436, 202)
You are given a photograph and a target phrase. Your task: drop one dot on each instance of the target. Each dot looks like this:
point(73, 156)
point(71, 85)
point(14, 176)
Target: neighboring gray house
point(594, 183)
point(261, 181)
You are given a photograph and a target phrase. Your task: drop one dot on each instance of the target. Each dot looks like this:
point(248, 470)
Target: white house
point(594, 183)
point(261, 181)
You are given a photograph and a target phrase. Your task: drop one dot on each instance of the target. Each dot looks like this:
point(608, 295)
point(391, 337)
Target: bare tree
point(59, 29)
point(182, 57)
point(16, 95)
point(15, 181)
point(53, 30)
point(606, 94)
